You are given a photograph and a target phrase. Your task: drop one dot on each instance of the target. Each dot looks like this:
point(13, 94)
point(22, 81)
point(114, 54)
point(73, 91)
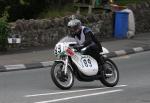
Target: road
point(36, 86)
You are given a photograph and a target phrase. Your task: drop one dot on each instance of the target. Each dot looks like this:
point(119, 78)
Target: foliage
point(27, 9)
point(67, 9)
point(3, 34)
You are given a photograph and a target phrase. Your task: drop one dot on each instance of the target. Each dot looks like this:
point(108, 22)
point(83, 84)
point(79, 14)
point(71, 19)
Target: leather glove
point(77, 47)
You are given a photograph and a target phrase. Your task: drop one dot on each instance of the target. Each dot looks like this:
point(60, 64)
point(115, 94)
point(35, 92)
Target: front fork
point(65, 65)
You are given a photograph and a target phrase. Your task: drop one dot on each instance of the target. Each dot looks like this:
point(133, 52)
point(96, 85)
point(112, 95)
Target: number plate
point(86, 62)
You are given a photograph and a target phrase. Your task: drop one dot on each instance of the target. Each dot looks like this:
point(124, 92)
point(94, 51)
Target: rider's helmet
point(74, 25)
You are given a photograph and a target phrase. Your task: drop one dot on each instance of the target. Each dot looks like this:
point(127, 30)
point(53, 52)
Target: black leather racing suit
point(92, 44)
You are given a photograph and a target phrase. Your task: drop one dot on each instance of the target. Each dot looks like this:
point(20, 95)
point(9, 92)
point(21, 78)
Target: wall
point(142, 16)
point(47, 32)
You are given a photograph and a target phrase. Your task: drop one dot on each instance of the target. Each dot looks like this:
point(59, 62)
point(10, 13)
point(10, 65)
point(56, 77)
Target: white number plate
point(86, 62)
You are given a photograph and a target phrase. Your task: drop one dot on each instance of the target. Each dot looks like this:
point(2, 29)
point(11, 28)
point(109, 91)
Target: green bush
point(3, 35)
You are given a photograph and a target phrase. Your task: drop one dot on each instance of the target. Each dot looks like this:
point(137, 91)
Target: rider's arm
point(88, 41)
point(88, 37)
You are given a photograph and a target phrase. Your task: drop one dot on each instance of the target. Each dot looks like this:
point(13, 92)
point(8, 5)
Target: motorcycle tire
point(59, 82)
point(115, 72)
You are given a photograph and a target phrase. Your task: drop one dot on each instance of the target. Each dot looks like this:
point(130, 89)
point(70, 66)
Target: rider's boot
point(101, 62)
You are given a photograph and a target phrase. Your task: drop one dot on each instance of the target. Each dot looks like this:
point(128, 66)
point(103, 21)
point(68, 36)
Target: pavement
point(44, 57)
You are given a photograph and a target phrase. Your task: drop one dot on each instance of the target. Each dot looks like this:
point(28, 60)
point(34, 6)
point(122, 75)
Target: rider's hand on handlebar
point(77, 47)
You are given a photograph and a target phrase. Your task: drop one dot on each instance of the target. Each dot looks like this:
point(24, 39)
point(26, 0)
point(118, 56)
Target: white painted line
point(138, 49)
point(46, 64)
point(122, 57)
point(15, 67)
point(80, 96)
point(121, 52)
point(66, 92)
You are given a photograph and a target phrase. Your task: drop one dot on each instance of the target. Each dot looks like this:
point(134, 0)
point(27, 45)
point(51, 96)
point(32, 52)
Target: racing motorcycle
point(73, 63)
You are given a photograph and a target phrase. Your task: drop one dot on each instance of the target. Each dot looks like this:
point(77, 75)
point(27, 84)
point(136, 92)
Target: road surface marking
point(122, 57)
point(138, 49)
point(66, 92)
point(46, 64)
point(15, 67)
point(120, 52)
point(80, 96)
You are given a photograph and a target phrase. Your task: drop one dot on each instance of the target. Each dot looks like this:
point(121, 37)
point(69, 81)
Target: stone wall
point(142, 16)
point(47, 32)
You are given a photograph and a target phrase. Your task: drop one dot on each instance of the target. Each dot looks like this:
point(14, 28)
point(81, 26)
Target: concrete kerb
point(6, 68)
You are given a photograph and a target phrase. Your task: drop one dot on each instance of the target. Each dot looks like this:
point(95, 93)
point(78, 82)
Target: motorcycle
point(72, 63)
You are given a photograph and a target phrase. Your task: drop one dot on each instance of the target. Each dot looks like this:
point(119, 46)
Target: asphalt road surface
point(36, 86)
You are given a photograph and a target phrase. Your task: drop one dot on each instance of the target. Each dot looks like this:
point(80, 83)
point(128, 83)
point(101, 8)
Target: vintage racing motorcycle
point(72, 63)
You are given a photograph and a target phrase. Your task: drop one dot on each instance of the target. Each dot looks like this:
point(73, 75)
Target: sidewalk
point(37, 56)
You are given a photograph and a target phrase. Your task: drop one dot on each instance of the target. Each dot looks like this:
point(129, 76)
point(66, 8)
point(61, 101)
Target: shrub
point(4, 30)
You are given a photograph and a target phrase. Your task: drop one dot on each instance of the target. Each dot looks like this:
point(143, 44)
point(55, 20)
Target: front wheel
point(110, 73)
point(61, 80)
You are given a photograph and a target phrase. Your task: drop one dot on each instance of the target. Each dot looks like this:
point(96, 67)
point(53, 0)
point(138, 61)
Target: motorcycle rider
point(85, 38)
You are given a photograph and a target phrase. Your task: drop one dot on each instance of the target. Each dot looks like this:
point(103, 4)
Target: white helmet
point(74, 26)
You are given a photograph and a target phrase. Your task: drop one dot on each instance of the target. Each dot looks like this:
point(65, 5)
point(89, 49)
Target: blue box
point(121, 24)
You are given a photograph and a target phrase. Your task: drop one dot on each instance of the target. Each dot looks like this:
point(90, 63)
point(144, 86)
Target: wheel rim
point(110, 73)
point(68, 81)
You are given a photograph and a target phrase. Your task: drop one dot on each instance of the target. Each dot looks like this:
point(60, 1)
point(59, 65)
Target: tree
point(27, 9)
point(4, 30)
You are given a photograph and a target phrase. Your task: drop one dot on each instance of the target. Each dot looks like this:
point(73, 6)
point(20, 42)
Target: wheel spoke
point(62, 80)
point(110, 75)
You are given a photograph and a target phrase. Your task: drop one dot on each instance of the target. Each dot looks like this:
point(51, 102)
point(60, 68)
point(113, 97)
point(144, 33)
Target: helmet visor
point(73, 28)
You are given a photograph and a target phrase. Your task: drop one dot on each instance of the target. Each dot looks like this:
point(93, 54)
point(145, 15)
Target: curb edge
point(6, 68)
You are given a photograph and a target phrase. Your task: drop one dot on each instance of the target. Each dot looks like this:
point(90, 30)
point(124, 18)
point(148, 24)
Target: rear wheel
point(110, 74)
point(62, 80)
